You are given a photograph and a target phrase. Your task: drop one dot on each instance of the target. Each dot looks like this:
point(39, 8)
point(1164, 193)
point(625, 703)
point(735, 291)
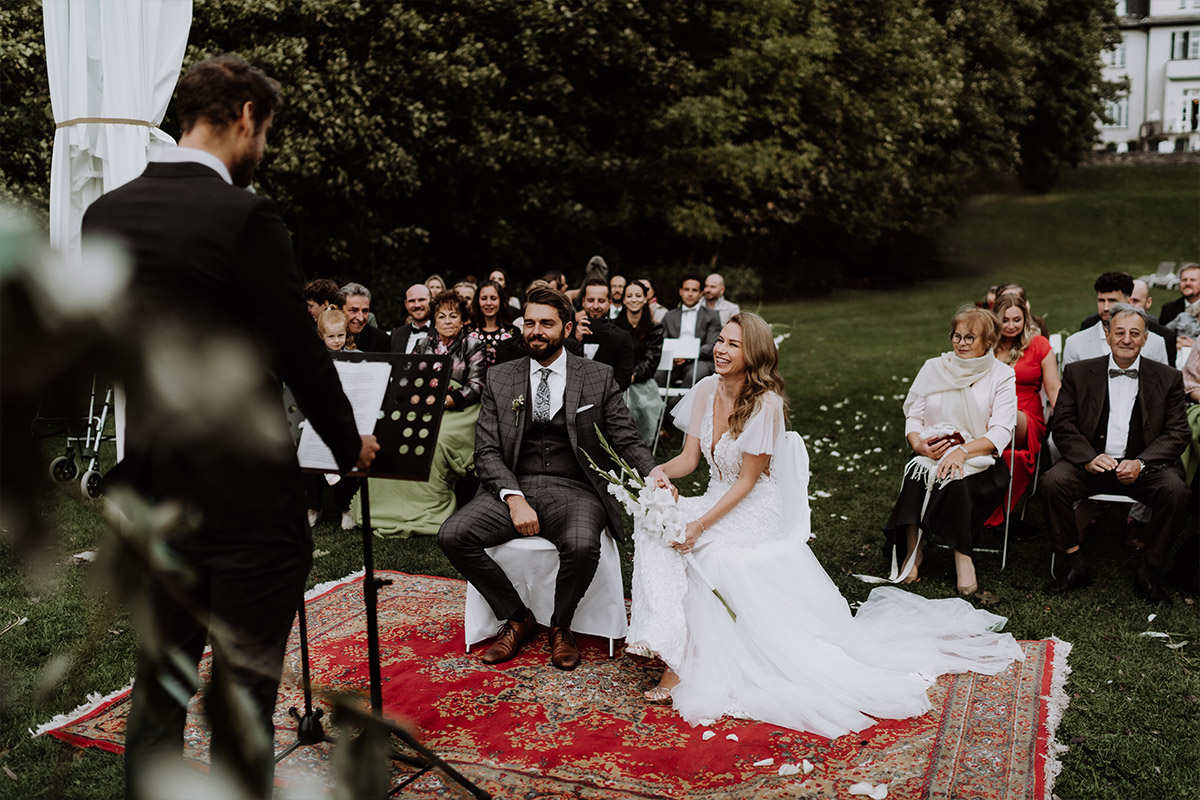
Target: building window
point(1116, 113)
point(1189, 113)
point(1114, 57)
point(1185, 44)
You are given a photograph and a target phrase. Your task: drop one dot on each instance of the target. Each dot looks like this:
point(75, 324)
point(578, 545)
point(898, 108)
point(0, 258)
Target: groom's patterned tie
point(541, 401)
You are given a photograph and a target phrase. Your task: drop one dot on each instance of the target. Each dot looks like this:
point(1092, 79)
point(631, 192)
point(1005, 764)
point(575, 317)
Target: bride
point(794, 655)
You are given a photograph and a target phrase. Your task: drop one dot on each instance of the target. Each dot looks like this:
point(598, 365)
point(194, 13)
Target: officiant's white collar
point(183, 155)
point(558, 366)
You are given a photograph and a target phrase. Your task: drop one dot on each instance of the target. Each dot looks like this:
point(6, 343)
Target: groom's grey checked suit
point(547, 464)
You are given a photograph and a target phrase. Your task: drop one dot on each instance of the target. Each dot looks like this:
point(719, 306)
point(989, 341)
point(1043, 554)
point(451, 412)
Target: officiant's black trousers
point(248, 583)
point(570, 515)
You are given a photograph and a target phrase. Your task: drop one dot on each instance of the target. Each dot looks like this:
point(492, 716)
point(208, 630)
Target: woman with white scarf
point(959, 416)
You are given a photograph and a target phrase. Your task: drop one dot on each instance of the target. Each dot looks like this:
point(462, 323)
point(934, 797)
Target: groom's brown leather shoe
point(512, 636)
point(564, 653)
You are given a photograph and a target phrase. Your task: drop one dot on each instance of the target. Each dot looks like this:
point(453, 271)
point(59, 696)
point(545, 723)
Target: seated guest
point(416, 303)
point(319, 295)
point(466, 290)
point(556, 280)
point(656, 311)
point(436, 284)
point(1121, 427)
point(1019, 291)
point(355, 300)
point(616, 295)
point(1140, 297)
point(1186, 324)
point(602, 340)
point(714, 298)
point(501, 277)
point(644, 401)
point(1189, 289)
point(331, 325)
point(1111, 288)
point(408, 507)
point(596, 269)
point(1191, 386)
point(491, 320)
point(1036, 367)
point(989, 299)
point(691, 320)
point(959, 415)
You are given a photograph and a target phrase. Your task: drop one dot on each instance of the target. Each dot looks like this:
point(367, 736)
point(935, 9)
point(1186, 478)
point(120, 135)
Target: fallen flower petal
point(788, 769)
point(708, 735)
point(807, 766)
point(732, 737)
point(766, 762)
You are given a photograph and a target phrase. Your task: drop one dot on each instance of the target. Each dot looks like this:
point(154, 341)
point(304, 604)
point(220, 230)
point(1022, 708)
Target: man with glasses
point(1120, 425)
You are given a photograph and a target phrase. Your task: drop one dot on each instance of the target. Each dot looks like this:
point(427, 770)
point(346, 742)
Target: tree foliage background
point(804, 139)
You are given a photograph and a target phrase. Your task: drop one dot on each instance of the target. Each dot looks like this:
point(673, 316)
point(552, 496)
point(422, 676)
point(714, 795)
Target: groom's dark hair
point(545, 296)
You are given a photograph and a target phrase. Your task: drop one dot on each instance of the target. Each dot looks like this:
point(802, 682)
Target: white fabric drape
point(107, 60)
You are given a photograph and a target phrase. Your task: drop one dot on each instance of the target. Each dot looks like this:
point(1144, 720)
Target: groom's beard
point(543, 348)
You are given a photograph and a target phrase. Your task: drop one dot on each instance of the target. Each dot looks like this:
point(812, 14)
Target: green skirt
point(420, 507)
point(1191, 456)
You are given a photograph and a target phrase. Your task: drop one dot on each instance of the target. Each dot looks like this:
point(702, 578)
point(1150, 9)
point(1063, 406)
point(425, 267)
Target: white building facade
point(1160, 55)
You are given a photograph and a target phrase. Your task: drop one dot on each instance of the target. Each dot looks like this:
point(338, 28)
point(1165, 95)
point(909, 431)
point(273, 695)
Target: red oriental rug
point(524, 729)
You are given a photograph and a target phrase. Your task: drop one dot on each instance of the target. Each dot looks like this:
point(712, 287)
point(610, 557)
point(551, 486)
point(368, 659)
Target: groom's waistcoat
point(546, 450)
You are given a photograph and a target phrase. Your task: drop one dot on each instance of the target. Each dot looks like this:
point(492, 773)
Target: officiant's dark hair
point(545, 296)
point(216, 89)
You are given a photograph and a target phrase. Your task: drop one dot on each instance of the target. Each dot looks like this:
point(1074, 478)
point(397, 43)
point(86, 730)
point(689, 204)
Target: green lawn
point(1133, 725)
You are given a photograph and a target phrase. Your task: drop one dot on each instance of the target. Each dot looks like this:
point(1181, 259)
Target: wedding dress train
point(795, 656)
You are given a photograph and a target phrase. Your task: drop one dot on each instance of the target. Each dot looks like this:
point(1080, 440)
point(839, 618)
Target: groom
point(538, 416)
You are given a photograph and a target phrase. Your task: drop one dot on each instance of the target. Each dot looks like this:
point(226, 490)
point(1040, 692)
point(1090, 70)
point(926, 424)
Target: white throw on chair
point(531, 563)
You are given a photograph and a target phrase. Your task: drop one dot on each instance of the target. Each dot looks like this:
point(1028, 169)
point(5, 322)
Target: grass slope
point(1133, 725)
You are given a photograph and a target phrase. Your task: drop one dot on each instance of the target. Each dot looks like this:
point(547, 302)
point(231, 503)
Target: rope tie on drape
point(105, 121)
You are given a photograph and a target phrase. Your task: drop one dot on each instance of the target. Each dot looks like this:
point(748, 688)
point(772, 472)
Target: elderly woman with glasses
point(959, 416)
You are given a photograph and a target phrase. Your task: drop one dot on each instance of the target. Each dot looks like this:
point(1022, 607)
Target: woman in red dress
point(1030, 354)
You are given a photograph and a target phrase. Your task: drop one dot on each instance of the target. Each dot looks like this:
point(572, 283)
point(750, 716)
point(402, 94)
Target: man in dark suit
point(355, 300)
point(600, 339)
point(416, 303)
point(691, 319)
point(1189, 290)
point(1140, 297)
point(216, 281)
point(538, 417)
point(1120, 425)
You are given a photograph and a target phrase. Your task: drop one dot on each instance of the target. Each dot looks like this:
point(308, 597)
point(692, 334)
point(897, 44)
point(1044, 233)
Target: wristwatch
point(1141, 465)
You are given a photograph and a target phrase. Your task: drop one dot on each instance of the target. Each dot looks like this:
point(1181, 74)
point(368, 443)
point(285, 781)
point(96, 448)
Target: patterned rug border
point(1052, 699)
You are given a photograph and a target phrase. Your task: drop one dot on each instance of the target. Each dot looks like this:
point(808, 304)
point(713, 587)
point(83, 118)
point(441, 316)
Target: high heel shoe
point(967, 591)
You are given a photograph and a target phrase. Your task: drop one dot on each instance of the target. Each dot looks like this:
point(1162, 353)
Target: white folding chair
point(531, 563)
point(1099, 498)
point(688, 348)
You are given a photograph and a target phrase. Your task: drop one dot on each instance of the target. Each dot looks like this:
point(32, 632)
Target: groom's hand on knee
point(524, 518)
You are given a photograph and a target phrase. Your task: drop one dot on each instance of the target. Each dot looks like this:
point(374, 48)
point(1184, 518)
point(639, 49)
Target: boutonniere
point(517, 404)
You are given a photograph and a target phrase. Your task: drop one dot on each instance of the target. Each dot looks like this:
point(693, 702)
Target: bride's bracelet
point(700, 522)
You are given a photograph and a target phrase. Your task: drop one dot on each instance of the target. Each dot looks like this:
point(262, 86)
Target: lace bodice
point(724, 460)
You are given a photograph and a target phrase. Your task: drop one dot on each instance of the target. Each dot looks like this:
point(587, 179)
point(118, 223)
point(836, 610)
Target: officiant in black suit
point(598, 338)
point(213, 267)
point(1120, 425)
point(539, 415)
point(691, 319)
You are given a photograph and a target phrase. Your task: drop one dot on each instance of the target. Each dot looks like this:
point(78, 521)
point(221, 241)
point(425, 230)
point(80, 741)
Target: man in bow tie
point(1120, 425)
point(538, 418)
point(416, 303)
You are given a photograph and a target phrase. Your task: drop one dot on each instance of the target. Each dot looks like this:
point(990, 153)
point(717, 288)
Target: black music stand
point(407, 428)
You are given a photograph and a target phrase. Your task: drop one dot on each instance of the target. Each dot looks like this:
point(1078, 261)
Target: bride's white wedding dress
point(796, 656)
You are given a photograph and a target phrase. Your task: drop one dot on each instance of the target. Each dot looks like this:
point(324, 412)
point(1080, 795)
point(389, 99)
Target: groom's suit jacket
point(1158, 429)
point(591, 398)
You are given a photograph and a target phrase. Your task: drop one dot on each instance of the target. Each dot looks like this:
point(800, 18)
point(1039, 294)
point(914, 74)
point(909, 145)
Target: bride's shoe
point(659, 694)
point(967, 591)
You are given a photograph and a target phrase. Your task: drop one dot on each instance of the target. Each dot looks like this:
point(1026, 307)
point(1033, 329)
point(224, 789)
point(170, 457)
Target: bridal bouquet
point(653, 508)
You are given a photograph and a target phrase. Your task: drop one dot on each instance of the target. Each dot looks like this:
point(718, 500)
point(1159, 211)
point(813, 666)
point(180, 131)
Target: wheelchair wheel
point(63, 469)
point(91, 484)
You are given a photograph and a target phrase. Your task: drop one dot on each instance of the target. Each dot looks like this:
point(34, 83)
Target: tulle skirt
point(797, 657)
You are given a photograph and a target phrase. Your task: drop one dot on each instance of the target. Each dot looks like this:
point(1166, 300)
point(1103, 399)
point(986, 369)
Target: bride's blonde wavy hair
point(762, 370)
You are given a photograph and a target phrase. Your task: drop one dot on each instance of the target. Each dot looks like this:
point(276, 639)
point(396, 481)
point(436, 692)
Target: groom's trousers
point(570, 516)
